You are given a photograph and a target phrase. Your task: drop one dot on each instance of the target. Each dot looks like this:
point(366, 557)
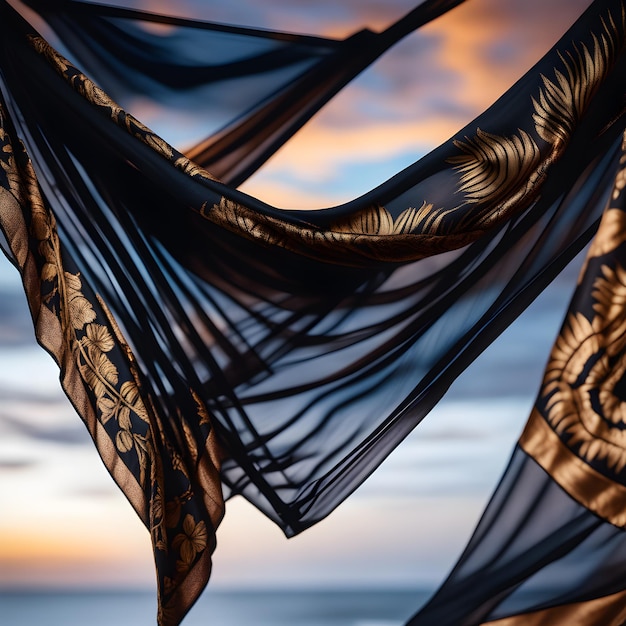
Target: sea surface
point(214, 608)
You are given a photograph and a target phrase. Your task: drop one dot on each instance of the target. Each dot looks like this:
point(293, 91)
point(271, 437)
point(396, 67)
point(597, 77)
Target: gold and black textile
point(551, 547)
point(215, 345)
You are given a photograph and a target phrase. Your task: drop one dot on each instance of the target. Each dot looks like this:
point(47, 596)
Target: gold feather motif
point(561, 104)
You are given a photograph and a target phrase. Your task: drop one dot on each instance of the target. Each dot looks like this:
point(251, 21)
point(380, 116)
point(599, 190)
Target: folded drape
point(551, 546)
point(250, 89)
point(210, 340)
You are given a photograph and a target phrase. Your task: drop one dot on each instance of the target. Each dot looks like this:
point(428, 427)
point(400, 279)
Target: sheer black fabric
point(535, 548)
point(195, 71)
point(550, 547)
point(200, 330)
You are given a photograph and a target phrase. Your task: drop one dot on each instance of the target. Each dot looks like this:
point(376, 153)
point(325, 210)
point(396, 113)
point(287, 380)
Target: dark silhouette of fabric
point(215, 345)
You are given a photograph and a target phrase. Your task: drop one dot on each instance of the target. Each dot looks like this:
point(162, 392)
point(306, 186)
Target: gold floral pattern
point(101, 377)
point(7, 163)
point(190, 542)
point(89, 342)
point(498, 175)
point(370, 235)
point(164, 454)
point(620, 179)
point(586, 367)
point(577, 429)
point(615, 224)
point(96, 96)
point(583, 394)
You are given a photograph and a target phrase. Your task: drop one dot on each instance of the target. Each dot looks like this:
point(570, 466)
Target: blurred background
point(65, 527)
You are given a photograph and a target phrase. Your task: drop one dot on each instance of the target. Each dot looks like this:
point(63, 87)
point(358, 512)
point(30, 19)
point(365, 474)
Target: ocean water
point(214, 608)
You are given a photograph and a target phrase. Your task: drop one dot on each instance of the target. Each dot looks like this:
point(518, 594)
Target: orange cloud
point(491, 44)
point(321, 152)
point(56, 552)
point(417, 96)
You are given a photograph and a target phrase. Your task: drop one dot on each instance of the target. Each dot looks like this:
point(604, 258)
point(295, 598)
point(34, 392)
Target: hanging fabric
point(215, 345)
point(551, 545)
point(252, 88)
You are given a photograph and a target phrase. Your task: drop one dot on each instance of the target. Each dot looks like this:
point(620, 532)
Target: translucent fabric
point(248, 90)
point(551, 546)
point(216, 345)
point(538, 557)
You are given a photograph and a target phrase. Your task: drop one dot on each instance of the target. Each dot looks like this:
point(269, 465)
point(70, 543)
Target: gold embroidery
point(610, 304)
point(203, 414)
point(157, 530)
point(362, 236)
point(101, 378)
point(614, 234)
point(80, 310)
point(240, 219)
point(114, 400)
point(594, 490)
point(98, 372)
point(192, 169)
point(96, 96)
point(493, 167)
point(561, 104)
point(88, 341)
point(577, 432)
point(620, 179)
point(502, 171)
point(11, 199)
point(190, 542)
point(586, 365)
point(97, 337)
point(376, 220)
point(7, 162)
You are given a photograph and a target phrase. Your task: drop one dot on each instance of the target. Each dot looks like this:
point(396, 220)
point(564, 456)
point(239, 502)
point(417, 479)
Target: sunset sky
point(63, 522)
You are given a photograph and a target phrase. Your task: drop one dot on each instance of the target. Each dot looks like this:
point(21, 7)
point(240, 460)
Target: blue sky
point(63, 521)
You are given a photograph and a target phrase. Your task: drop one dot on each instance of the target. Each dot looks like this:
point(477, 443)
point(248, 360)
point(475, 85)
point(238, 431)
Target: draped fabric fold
point(551, 546)
point(198, 68)
point(214, 344)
